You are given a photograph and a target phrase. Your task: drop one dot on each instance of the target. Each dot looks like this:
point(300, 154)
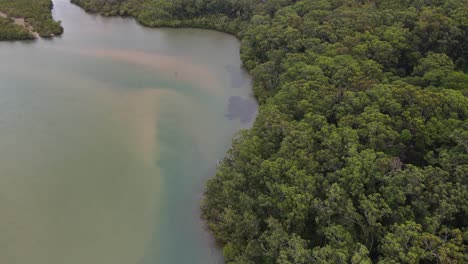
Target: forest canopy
point(359, 153)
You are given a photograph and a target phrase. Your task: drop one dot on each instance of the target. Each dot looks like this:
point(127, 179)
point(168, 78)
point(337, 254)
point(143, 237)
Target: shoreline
point(202, 23)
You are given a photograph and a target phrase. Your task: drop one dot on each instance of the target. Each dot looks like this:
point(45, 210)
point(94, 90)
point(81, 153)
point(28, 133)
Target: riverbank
point(361, 131)
point(216, 22)
point(358, 98)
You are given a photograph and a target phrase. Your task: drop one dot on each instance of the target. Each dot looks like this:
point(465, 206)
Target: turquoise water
point(107, 135)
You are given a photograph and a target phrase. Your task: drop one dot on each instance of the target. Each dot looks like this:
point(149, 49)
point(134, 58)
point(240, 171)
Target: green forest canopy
point(35, 12)
point(359, 153)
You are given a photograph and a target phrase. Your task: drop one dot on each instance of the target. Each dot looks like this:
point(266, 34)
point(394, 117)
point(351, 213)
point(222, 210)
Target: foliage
point(10, 31)
point(360, 150)
point(35, 12)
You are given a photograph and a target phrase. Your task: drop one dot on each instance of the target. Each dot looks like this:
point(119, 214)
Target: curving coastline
point(361, 134)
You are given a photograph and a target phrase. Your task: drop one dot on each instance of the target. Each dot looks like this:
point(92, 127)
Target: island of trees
point(37, 18)
point(359, 153)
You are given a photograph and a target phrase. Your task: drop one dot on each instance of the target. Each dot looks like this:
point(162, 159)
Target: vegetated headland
point(359, 152)
point(27, 19)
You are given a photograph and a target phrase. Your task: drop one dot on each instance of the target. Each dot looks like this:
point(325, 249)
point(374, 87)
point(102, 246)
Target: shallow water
point(107, 135)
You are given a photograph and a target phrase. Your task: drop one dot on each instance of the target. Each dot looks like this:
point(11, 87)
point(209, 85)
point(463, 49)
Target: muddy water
point(107, 135)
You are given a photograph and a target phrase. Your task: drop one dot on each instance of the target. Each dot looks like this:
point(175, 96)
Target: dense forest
point(36, 13)
point(359, 153)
